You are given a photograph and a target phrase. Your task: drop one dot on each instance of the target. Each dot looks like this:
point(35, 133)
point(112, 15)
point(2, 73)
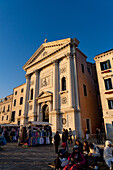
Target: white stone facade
point(53, 80)
point(60, 88)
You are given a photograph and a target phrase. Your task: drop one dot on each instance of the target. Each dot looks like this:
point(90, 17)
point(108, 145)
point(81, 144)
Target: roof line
point(105, 52)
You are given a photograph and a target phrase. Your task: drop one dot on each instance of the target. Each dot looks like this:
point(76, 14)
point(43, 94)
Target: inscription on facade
point(45, 81)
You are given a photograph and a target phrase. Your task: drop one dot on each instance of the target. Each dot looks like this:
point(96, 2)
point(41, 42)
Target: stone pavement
point(14, 157)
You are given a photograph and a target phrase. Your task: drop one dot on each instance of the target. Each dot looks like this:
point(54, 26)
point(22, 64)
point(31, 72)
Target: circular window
point(63, 121)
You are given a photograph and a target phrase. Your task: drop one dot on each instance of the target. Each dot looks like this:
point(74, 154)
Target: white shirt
point(108, 152)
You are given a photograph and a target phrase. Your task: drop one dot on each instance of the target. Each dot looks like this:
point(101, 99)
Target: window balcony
point(106, 71)
point(109, 92)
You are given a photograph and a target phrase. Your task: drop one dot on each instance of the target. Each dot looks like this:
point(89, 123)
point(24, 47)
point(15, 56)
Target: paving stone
point(14, 157)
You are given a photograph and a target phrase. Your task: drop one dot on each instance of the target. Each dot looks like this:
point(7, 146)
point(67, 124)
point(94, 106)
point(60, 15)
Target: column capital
point(74, 53)
point(55, 62)
point(27, 76)
point(36, 72)
point(69, 55)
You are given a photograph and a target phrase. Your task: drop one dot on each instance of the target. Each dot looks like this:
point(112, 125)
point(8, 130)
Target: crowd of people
point(83, 154)
point(66, 138)
point(10, 134)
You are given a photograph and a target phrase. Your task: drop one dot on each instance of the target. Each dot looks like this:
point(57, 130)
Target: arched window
point(46, 113)
point(31, 94)
point(63, 83)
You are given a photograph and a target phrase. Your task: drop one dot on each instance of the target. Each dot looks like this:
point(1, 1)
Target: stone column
point(76, 99)
point(78, 125)
point(36, 91)
point(25, 113)
point(55, 116)
point(70, 84)
point(55, 86)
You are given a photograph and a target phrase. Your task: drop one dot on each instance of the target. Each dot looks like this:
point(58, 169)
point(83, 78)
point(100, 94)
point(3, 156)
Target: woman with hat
point(76, 159)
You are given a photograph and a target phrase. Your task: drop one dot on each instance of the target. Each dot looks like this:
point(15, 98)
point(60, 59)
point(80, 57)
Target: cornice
point(75, 42)
point(48, 55)
point(19, 86)
point(103, 54)
point(47, 45)
point(34, 55)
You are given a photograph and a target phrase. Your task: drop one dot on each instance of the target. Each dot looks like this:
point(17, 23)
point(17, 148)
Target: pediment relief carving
point(46, 50)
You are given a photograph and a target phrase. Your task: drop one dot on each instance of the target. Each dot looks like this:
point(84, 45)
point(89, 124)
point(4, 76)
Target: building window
point(105, 65)
point(88, 125)
point(15, 102)
point(20, 112)
point(15, 92)
point(108, 84)
point(7, 117)
point(85, 90)
point(2, 118)
point(8, 108)
point(4, 109)
point(18, 122)
point(21, 100)
point(110, 104)
point(63, 83)
point(13, 116)
point(112, 123)
point(31, 94)
point(5, 99)
point(22, 90)
point(89, 70)
point(82, 67)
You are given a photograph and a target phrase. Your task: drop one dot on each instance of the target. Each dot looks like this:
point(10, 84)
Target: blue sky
point(24, 25)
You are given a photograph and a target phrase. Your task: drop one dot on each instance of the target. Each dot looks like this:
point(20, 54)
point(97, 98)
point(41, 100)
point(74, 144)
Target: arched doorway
point(45, 113)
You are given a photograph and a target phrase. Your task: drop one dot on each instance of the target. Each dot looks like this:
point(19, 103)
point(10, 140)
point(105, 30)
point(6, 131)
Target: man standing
point(70, 136)
point(63, 136)
point(56, 141)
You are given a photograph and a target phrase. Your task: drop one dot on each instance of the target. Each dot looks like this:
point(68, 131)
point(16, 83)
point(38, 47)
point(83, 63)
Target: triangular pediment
point(44, 94)
point(46, 50)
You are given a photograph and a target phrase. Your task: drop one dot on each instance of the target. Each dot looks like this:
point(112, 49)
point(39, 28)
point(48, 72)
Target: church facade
point(61, 88)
